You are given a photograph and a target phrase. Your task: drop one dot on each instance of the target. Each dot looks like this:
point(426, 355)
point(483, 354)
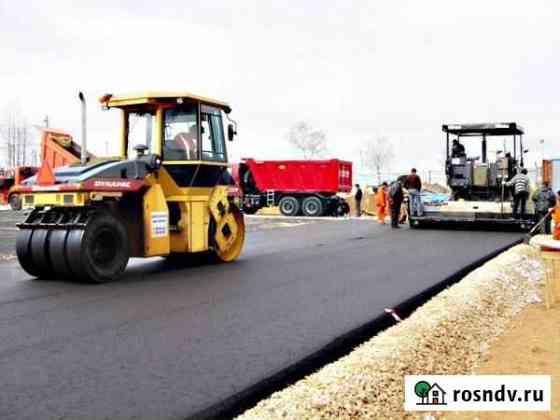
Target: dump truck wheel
point(236, 246)
point(23, 252)
point(100, 252)
point(57, 252)
point(40, 253)
point(15, 202)
point(342, 208)
point(312, 206)
point(289, 206)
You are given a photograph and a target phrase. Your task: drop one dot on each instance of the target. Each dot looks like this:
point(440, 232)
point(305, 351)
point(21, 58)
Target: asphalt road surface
point(166, 342)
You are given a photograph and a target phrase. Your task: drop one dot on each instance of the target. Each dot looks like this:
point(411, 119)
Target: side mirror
point(526, 151)
point(154, 162)
point(231, 132)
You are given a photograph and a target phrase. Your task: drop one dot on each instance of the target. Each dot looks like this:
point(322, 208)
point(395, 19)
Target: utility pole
point(46, 121)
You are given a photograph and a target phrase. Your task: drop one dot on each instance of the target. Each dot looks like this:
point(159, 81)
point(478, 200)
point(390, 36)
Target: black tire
point(342, 208)
point(57, 253)
point(100, 252)
point(312, 206)
point(40, 253)
point(289, 206)
point(23, 252)
point(15, 202)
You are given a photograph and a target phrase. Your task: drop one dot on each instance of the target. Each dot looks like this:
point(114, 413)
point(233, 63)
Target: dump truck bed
point(302, 176)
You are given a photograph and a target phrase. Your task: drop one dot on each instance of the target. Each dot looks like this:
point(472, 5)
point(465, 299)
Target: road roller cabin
point(165, 195)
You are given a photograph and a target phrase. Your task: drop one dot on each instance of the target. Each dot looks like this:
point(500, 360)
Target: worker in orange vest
point(556, 218)
point(381, 203)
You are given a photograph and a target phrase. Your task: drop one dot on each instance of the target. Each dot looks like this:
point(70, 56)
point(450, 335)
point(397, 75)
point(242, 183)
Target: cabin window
point(141, 130)
point(180, 134)
point(213, 141)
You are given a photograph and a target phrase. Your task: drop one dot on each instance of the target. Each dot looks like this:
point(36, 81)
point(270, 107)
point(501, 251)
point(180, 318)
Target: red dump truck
point(307, 187)
point(57, 148)
point(11, 177)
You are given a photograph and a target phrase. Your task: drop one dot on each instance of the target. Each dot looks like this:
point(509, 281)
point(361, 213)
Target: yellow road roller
point(166, 194)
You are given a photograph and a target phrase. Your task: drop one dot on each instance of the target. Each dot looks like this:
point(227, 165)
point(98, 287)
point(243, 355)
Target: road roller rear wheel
point(40, 253)
point(99, 253)
point(57, 253)
point(23, 252)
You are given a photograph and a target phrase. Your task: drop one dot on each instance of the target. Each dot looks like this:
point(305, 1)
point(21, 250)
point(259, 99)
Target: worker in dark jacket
point(413, 184)
point(545, 200)
point(358, 197)
point(457, 149)
point(396, 197)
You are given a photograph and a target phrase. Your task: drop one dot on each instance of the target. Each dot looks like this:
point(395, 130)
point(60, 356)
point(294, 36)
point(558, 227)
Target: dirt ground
point(532, 346)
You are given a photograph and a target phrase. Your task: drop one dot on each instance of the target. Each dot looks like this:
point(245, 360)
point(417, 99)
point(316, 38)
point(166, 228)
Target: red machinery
point(295, 186)
point(57, 149)
point(11, 177)
point(7, 178)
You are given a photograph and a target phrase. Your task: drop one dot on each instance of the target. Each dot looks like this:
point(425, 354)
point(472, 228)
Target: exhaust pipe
point(83, 157)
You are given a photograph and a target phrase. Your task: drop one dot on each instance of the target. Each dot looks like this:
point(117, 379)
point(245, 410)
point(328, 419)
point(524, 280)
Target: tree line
point(17, 143)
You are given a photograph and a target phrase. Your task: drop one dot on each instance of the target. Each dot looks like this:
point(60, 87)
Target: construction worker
point(544, 199)
point(413, 184)
point(520, 183)
point(556, 218)
point(381, 203)
point(396, 197)
point(457, 149)
point(358, 198)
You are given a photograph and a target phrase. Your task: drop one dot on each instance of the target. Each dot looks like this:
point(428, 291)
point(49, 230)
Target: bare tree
point(312, 143)
point(15, 137)
point(376, 155)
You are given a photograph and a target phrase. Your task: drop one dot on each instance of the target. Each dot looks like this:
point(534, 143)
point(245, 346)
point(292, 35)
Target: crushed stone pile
point(447, 335)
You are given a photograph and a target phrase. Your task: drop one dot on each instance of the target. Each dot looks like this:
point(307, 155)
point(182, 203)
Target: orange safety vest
point(381, 197)
point(556, 218)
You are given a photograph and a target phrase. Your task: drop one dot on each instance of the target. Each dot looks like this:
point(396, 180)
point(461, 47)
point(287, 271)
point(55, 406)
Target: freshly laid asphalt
point(166, 342)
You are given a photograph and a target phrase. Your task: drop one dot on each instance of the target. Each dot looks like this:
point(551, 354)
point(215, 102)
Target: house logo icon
point(429, 394)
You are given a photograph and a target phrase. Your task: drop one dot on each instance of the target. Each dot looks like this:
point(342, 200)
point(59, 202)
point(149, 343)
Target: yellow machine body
point(169, 199)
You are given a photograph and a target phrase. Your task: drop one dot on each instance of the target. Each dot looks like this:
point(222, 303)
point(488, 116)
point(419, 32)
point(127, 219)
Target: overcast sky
point(357, 70)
